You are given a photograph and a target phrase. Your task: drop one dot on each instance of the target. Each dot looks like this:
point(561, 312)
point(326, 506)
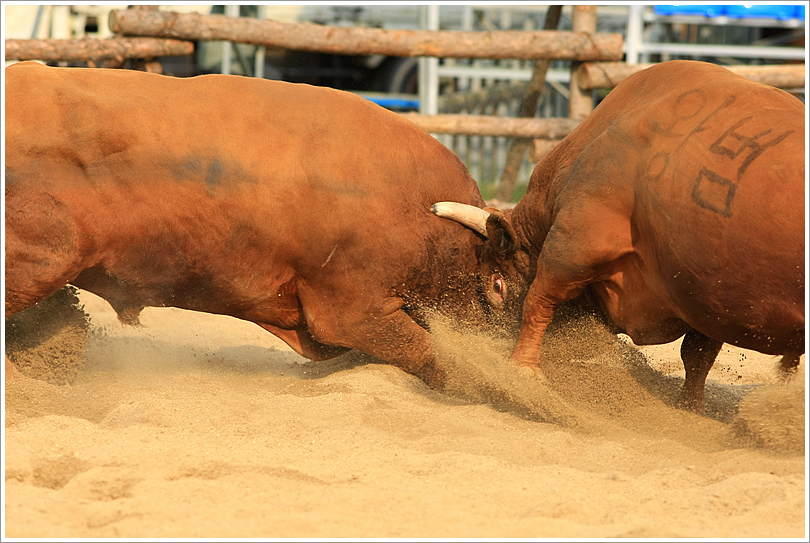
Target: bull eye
point(499, 286)
point(496, 293)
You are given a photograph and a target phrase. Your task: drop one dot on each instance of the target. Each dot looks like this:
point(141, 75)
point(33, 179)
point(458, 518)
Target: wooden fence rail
point(95, 50)
point(485, 125)
point(504, 44)
point(606, 75)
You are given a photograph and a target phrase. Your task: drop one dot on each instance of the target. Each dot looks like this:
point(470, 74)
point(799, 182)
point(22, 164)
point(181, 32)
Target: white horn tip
point(442, 209)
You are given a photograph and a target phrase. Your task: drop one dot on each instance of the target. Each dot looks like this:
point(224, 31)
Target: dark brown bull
point(302, 209)
point(677, 208)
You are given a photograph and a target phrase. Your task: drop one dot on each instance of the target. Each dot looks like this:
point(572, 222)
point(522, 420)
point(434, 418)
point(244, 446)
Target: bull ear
point(501, 233)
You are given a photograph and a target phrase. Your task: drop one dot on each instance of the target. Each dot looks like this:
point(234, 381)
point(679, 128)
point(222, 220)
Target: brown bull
point(302, 209)
point(677, 208)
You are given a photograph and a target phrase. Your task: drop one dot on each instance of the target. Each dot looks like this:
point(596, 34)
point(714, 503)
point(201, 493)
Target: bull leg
point(397, 339)
point(23, 291)
point(41, 252)
point(22, 296)
point(578, 251)
point(390, 335)
point(698, 353)
point(542, 300)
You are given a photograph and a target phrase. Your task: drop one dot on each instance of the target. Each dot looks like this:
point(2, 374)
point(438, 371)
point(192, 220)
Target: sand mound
point(773, 417)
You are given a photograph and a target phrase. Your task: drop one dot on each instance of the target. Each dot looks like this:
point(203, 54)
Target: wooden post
point(540, 148)
point(147, 64)
point(371, 41)
point(580, 101)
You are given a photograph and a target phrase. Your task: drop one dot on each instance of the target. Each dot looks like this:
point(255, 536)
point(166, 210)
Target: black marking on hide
point(714, 192)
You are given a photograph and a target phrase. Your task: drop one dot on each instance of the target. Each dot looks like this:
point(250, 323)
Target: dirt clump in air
point(47, 341)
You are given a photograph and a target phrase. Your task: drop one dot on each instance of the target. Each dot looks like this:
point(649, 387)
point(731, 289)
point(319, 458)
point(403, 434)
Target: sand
point(196, 425)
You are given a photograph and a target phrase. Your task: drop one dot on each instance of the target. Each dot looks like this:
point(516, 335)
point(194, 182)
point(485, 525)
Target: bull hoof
point(435, 379)
point(11, 371)
point(694, 405)
point(532, 372)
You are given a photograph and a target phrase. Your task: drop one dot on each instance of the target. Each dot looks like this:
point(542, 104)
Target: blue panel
point(394, 103)
point(691, 9)
point(763, 12)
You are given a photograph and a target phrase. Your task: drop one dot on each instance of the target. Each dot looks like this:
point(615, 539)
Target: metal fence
point(495, 87)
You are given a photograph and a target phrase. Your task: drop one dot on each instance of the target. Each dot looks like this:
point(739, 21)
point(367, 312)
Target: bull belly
point(281, 308)
point(777, 333)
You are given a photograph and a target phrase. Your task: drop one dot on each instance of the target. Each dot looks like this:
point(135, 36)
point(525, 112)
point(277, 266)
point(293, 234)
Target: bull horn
point(472, 217)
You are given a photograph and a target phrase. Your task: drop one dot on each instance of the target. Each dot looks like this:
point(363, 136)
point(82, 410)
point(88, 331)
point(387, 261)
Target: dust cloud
point(599, 383)
point(196, 425)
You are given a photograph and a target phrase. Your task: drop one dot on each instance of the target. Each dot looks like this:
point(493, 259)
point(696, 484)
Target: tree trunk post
point(580, 101)
point(148, 64)
point(528, 108)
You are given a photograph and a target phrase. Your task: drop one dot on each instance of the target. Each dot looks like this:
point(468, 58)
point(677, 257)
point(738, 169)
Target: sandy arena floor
point(196, 425)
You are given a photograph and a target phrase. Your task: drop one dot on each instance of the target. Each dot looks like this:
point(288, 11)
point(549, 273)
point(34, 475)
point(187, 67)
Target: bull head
point(503, 274)
point(489, 222)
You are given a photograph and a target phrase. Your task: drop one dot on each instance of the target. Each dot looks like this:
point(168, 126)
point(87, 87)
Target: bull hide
point(304, 210)
point(676, 208)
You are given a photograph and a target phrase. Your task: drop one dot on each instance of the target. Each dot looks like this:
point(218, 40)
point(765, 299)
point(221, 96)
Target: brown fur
point(302, 209)
point(677, 207)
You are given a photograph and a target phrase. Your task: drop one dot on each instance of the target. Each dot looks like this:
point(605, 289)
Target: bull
point(302, 209)
point(676, 209)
